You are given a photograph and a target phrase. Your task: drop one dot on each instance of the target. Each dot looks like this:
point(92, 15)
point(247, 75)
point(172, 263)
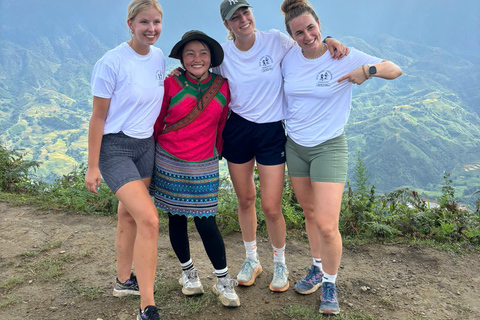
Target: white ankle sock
point(279, 254)
point(318, 263)
point(329, 278)
point(251, 250)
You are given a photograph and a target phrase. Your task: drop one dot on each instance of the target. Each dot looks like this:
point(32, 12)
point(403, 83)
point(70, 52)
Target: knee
point(125, 218)
point(309, 215)
point(329, 232)
point(246, 202)
point(148, 224)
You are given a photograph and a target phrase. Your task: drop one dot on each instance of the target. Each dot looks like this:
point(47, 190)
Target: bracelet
point(327, 37)
point(364, 73)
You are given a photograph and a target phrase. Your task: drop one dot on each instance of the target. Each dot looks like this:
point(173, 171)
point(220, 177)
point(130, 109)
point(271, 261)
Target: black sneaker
point(129, 287)
point(150, 313)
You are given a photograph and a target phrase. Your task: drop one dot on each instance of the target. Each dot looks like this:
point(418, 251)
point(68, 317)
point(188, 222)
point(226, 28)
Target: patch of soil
point(381, 281)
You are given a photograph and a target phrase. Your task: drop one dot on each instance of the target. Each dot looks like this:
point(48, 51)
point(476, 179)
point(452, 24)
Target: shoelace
point(192, 274)
point(229, 283)
point(247, 265)
point(330, 291)
point(279, 269)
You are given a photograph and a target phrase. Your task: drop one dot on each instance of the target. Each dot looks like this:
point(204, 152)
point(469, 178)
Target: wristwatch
point(372, 70)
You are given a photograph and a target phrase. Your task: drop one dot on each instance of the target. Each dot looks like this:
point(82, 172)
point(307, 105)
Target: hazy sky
point(450, 24)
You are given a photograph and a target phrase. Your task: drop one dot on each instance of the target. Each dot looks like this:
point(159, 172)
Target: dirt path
point(59, 266)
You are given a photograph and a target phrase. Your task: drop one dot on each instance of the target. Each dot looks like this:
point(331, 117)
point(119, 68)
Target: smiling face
point(242, 22)
point(196, 59)
point(306, 32)
point(146, 28)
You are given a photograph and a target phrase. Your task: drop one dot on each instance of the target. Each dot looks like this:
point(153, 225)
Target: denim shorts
point(244, 140)
point(326, 162)
point(124, 159)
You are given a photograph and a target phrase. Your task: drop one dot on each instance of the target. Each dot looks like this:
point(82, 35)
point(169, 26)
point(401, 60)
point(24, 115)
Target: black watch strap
point(327, 37)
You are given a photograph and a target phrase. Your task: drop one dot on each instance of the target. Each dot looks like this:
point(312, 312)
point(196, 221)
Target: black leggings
point(211, 238)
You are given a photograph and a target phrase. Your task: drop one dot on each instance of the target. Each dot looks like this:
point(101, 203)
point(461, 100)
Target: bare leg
point(302, 186)
point(327, 203)
point(136, 200)
point(271, 187)
point(242, 179)
point(124, 241)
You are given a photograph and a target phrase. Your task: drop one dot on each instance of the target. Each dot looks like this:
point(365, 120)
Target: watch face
point(372, 70)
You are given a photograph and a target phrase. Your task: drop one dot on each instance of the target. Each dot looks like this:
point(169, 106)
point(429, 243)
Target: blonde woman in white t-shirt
point(127, 87)
point(318, 90)
point(254, 132)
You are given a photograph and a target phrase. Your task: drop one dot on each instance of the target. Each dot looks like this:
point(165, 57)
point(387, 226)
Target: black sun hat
point(216, 49)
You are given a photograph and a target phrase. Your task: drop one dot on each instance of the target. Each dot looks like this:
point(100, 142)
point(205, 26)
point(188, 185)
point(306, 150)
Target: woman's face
point(146, 28)
point(242, 22)
point(306, 32)
point(196, 58)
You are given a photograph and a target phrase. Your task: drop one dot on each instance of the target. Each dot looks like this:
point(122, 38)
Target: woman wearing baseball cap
point(188, 135)
point(254, 132)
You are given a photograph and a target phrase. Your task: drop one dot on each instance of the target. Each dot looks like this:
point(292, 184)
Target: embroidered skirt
point(185, 188)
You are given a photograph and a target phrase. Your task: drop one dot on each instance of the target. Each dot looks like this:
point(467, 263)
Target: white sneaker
point(249, 271)
point(191, 283)
point(225, 289)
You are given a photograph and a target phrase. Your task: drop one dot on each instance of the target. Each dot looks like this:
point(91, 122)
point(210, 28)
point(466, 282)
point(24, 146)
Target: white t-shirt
point(134, 83)
point(255, 77)
point(317, 106)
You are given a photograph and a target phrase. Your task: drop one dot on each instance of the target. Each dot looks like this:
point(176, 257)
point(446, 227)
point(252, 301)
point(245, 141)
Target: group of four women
point(166, 136)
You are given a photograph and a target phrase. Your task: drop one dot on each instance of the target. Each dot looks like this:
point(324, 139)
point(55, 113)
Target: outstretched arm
point(385, 70)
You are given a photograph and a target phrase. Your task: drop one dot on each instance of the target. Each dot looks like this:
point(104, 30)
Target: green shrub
point(15, 172)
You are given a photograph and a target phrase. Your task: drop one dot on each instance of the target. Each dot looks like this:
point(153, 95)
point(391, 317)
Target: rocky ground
point(62, 266)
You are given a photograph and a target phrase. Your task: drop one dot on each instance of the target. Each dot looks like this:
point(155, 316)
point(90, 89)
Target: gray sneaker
point(249, 271)
point(225, 289)
point(190, 283)
point(280, 278)
point(129, 287)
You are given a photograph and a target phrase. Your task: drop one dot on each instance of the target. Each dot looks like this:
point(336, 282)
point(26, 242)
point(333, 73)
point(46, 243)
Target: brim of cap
point(216, 50)
point(235, 8)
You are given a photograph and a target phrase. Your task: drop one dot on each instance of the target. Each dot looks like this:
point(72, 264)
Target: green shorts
point(326, 162)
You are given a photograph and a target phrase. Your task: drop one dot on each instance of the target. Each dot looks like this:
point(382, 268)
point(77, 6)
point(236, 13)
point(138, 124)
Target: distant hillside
point(408, 131)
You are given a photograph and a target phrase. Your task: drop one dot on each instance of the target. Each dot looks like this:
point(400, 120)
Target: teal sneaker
point(280, 278)
point(329, 302)
point(311, 282)
point(249, 271)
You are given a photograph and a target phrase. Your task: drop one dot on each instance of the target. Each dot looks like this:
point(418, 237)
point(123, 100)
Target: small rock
point(62, 252)
point(458, 292)
point(363, 288)
point(99, 319)
point(30, 281)
point(350, 305)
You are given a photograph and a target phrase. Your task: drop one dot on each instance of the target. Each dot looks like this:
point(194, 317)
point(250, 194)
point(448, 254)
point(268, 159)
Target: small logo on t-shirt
point(160, 77)
point(266, 63)
point(323, 78)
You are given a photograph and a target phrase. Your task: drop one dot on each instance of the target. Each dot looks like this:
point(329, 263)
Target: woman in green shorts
point(319, 94)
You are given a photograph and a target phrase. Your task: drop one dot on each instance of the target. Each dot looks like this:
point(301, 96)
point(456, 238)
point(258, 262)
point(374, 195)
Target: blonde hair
point(292, 9)
point(231, 34)
point(136, 6)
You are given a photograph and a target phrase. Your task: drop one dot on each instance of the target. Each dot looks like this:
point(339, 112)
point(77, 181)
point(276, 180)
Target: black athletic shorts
point(244, 140)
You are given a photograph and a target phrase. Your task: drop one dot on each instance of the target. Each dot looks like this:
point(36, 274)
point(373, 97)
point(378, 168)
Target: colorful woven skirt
point(185, 188)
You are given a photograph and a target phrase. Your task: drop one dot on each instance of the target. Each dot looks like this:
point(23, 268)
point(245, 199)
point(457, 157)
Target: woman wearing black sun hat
point(188, 136)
